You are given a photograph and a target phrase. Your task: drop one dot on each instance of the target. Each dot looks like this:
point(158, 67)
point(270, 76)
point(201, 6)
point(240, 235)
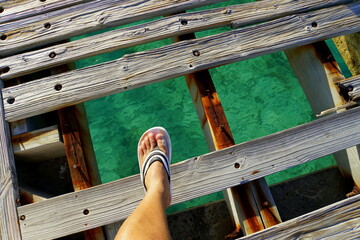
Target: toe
point(147, 142)
point(161, 142)
point(152, 140)
point(141, 151)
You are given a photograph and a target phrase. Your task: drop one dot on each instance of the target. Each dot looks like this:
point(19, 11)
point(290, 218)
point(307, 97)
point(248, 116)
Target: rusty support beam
point(246, 202)
point(79, 151)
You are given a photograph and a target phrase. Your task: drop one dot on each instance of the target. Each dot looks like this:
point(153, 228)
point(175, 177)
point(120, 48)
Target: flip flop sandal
point(156, 155)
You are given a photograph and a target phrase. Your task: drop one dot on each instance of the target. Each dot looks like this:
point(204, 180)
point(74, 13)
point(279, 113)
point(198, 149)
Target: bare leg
point(148, 221)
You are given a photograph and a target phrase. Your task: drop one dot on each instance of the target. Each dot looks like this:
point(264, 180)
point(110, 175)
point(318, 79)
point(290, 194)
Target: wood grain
point(9, 193)
point(143, 68)
point(245, 206)
point(79, 152)
point(17, 9)
point(318, 72)
point(336, 221)
point(171, 26)
point(194, 177)
point(85, 18)
point(39, 145)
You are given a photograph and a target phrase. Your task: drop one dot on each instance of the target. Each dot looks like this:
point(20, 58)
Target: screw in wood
point(184, 22)
point(10, 100)
point(196, 53)
point(3, 37)
point(52, 55)
point(4, 69)
point(237, 165)
point(58, 87)
point(47, 25)
point(22, 217)
point(86, 212)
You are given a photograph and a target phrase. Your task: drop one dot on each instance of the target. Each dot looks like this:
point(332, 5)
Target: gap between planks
point(177, 59)
point(194, 177)
point(245, 14)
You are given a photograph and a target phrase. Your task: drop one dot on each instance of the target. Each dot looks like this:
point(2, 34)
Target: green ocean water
point(260, 96)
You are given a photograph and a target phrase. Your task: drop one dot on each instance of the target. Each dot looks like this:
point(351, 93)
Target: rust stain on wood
point(78, 170)
point(70, 122)
point(213, 110)
point(266, 207)
point(252, 222)
point(330, 65)
point(222, 137)
point(254, 172)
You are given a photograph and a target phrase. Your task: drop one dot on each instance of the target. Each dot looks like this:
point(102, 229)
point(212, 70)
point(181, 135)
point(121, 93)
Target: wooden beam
point(84, 18)
point(39, 145)
point(28, 196)
point(177, 59)
point(318, 73)
point(336, 221)
point(14, 10)
point(244, 204)
point(79, 151)
point(195, 177)
point(9, 193)
point(171, 26)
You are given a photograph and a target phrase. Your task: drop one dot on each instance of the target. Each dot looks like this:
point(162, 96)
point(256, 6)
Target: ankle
point(157, 182)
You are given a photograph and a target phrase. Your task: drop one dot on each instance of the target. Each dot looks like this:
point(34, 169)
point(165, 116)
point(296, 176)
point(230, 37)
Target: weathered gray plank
point(251, 13)
point(139, 69)
point(194, 177)
point(353, 86)
point(336, 221)
point(9, 193)
point(84, 18)
point(317, 71)
point(39, 145)
point(14, 10)
point(245, 211)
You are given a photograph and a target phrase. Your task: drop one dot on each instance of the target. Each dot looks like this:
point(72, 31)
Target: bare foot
point(156, 179)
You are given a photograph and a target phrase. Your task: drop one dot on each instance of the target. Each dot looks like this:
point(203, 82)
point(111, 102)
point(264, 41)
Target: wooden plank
point(318, 72)
point(14, 10)
point(245, 206)
point(171, 26)
point(79, 152)
point(177, 59)
point(194, 177)
point(84, 18)
point(9, 193)
point(28, 196)
point(336, 221)
point(39, 145)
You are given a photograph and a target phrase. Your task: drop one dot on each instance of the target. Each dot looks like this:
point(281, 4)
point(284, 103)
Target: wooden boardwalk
point(33, 38)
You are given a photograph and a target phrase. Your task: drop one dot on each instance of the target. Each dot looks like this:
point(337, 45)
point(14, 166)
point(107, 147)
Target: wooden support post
point(79, 151)
point(317, 71)
point(251, 205)
point(28, 196)
point(9, 193)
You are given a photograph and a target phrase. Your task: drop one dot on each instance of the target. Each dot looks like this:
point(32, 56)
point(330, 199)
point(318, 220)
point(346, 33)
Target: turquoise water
point(260, 96)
